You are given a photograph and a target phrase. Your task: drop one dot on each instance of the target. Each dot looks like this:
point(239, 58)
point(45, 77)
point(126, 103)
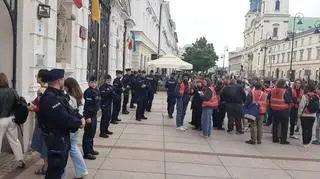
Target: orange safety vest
point(214, 101)
point(261, 98)
point(295, 95)
point(277, 102)
point(182, 88)
point(268, 90)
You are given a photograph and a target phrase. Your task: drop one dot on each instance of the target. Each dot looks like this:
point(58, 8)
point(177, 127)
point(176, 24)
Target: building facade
point(236, 59)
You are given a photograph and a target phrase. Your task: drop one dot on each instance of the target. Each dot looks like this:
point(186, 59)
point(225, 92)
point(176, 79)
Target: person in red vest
point(297, 93)
point(183, 91)
point(210, 101)
point(280, 100)
point(306, 114)
point(259, 96)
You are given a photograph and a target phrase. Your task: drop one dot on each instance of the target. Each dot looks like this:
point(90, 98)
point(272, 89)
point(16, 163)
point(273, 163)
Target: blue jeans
point(181, 111)
point(206, 119)
point(76, 156)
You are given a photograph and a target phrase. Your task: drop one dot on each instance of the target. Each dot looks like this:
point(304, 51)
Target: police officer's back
point(126, 82)
point(118, 88)
point(152, 89)
point(57, 120)
point(171, 98)
point(141, 93)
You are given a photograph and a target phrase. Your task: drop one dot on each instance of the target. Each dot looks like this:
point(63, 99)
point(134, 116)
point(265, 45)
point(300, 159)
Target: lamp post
point(224, 55)
point(299, 17)
point(265, 54)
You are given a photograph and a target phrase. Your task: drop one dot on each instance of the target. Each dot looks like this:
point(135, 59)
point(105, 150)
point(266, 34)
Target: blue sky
point(222, 21)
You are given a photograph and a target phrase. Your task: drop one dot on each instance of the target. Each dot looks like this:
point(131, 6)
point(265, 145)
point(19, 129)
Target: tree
point(201, 55)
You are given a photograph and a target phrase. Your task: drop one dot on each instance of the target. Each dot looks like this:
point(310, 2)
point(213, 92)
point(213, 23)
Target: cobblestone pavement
point(153, 149)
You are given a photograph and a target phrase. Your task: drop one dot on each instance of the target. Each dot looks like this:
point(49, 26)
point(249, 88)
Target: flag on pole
point(78, 3)
point(95, 10)
point(134, 42)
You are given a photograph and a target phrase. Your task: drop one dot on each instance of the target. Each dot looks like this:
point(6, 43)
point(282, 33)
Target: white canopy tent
point(170, 61)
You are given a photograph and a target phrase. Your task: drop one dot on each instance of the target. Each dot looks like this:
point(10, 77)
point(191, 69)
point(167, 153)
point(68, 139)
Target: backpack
point(313, 105)
point(21, 111)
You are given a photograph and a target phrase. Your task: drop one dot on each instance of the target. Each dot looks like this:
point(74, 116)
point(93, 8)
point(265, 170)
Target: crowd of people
point(61, 108)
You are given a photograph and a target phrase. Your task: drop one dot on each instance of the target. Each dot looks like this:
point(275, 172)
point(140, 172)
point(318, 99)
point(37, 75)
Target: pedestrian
point(90, 110)
point(152, 89)
point(126, 81)
point(317, 140)
point(210, 101)
point(133, 78)
point(280, 100)
point(171, 96)
point(196, 105)
point(219, 114)
point(107, 94)
point(297, 93)
point(141, 93)
point(74, 92)
point(183, 91)
point(8, 99)
point(57, 120)
point(257, 95)
point(38, 143)
point(234, 96)
point(307, 112)
point(118, 88)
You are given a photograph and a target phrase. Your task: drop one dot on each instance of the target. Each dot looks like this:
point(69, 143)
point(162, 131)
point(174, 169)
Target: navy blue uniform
point(118, 88)
point(126, 81)
point(133, 81)
point(152, 89)
point(57, 120)
point(91, 107)
point(141, 92)
point(171, 98)
point(107, 94)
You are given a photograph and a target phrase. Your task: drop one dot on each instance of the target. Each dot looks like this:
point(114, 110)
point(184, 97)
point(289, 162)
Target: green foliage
point(201, 55)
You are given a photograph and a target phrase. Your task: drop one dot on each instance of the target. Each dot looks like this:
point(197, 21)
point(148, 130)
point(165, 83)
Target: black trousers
point(149, 100)
point(280, 117)
point(307, 125)
point(116, 107)
point(88, 136)
point(125, 100)
point(141, 107)
point(218, 116)
point(196, 116)
point(58, 151)
point(293, 119)
point(133, 97)
point(171, 102)
point(105, 118)
point(234, 112)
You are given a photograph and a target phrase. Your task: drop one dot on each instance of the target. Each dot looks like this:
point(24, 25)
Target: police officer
point(90, 110)
point(171, 85)
point(57, 120)
point(133, 79)
point(118, 88)
point(107, 94)
point(152, 89)
point(126, 81)
point(142, 92)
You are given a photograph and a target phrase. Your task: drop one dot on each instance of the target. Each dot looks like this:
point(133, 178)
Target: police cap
point(54, 74)
point(119, 72)
point(92, 79)
point(128, 69)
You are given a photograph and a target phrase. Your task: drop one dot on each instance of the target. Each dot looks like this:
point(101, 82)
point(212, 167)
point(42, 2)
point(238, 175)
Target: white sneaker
point(306, 146)
point(186, 128)
point(181, 128)
point(294, 137)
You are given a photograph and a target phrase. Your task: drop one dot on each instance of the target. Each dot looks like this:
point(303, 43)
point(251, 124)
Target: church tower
point(279, 7)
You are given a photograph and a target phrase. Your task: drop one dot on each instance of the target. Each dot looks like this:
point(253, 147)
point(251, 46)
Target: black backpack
point(21, 111)
point(313, 105)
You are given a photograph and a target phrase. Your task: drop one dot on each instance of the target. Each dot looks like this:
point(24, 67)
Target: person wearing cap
point(91, 107)
point(133, 79)
point(171, 98)
point(127, 85)
point(107, 94)
point(118, 88)
point(152, 89)
point(141, 93)
point(57, 119)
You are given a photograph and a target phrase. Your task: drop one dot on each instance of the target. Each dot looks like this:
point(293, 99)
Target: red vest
point(182, 88)
point(261, 98)
point(277, 102)
point(214, 101)
point(298, 96)
point(268, 90)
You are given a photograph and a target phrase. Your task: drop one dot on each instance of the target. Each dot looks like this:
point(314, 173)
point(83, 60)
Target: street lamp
point(268, 37)
point(224, 55)
point(299, 17)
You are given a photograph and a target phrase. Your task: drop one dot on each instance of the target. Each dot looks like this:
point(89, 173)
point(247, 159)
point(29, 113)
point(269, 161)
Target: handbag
point(252, 110)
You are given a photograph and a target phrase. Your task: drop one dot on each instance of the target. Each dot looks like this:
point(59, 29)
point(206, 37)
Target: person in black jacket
point(196, 105)
point(118, 88)
point(152, 89)
point(234, 96)
point(126, 82)
point(107, 94)
point(142, 92)
point(171, 96)
point(133, 79)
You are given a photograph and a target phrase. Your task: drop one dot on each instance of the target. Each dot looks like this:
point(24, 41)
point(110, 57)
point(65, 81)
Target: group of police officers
point(58, 118)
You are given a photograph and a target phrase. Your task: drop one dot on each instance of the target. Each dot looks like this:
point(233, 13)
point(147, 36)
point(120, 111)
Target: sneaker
point(21, 164)
point(294, 137)
point(251, 142)
point(316, 142)
point(109, 133)
point(181, 128)
point(89, 157)
point(186, 128)
point(95, 152)
point(82, 176)
point(306, 145)
point(104, 135)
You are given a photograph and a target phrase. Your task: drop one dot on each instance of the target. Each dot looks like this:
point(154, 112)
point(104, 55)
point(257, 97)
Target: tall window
point(318, 53)
point(283, 57)
point(275, 32)
point(277, 5)
point(288, 56)
point(310, 40)
point(294, 56)
point(278, 58)
point(302, 42)
point(301, 55)
point(309, 53)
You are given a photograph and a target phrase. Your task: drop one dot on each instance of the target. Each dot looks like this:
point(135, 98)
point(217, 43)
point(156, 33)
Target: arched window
point(277, 5)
